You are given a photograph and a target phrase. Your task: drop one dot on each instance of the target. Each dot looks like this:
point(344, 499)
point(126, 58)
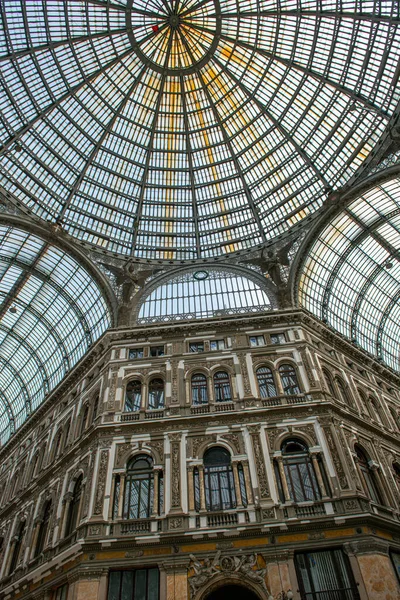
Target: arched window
point(395, 417)
point(57, 444)
point(329, 382)
point(133, 396)
point(266, 383)
point(343, 395)
point(222, 387)
point(289, 380)
point(375, 410)
point(364, 404)
point(218, 480)
point(95, 407)
point(17, 547)
point(299, 472)
point(43, 528)
point(368, 477)
point(139, 488)
point(156, 394)
point(73, 509)
point(199, 389)
point(84, 412)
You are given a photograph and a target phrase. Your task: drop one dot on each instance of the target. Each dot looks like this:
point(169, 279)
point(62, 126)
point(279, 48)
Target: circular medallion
point(201, 275)
point(174, 37)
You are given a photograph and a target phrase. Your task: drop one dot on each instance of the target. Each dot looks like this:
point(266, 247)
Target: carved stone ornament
point(113, 389)
point(158, 447)
point(175, 470)
point(246, 566)
point(245, 375)
point(259, 463)
point(122, 451)
point(233, 440)
point(273, 434)
point(197, 442)
point(176, 523)
point(101, 482)
point(308, 430)
point(134, 554)
point(336, 459)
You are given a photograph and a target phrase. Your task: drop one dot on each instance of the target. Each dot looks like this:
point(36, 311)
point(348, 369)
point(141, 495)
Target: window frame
point(259, 341)
point(135, 351)
point(267, 384)
point(157, 351)
point(138, 475)
point(134, 408)
point(148, 583)
point(220, 345)
point(197, 387)
point(222, 387)
point(152, 392)
point(218, 473)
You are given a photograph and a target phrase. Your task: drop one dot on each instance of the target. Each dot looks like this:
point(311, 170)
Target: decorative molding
point(101, 482)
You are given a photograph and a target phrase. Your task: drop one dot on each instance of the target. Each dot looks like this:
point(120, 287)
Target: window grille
point(266, 382)
point(139, 488)
point(218, 480)
point(139, 584)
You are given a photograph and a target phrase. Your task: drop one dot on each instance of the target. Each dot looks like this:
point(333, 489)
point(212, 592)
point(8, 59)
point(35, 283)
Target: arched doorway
point(232, 592)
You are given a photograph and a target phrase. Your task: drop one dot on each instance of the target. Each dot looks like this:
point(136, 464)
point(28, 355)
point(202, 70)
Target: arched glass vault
point(351, 276)
point(51, 312)
point(205, 292)
point(188, 130)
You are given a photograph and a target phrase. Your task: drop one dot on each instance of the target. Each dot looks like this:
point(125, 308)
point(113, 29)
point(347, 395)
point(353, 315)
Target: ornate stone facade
point(253, 542)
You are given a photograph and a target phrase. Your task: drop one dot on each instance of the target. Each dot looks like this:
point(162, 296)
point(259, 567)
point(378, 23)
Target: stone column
point(121, 495)
point(202, 488)
point(318, 474)
point(156, 493)
point(381, 484)
point(259, 462)
point(239, 500)
point(282, 474)
point(35, 533)
point(190, 475)
point(66, 503)
point(247, 479)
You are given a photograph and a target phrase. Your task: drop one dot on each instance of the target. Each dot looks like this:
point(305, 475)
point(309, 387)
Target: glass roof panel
point(51, 312)
point(190, 129)
point(351, 276)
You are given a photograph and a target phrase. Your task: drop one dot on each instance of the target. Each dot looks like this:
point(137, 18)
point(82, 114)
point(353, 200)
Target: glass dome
point(351, 276)
point(51, 312)
point(194, 128)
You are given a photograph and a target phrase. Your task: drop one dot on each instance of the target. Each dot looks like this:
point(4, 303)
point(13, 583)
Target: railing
point(200, 409)
point(224, 406)
point(154, 414)
point(132, 416)
point(222, 519)
point(340, 593)
point(282, 400)
point(311, 510)
point(140, 526)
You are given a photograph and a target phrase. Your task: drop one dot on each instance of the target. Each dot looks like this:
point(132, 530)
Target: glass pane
point(114, 584)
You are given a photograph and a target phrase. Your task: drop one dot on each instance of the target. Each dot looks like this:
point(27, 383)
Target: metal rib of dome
point(351, 275)
point(187, 129)
point(51, 312)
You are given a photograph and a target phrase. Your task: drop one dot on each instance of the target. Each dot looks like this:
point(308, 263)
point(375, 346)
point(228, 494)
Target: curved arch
point(174, 277)
point(221, 580)
point(352, 261)
point(51, 308)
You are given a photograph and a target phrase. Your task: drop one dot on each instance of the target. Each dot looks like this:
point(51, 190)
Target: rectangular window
point(278, 338)
point(217, 345)
point(136, 353)
point(157, 351)
point(325, 574)
point(256, 340)
point(61, 592)
point(139, 584)
point(196, 347)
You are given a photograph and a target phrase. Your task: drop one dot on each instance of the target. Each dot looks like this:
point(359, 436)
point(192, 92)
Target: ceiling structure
point(51, 312)
point(182, 131)
point(351, 275)
point(193, 128)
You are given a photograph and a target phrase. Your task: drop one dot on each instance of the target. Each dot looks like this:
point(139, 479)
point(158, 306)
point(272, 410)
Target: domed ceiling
point(189, 129)
point(351, 275)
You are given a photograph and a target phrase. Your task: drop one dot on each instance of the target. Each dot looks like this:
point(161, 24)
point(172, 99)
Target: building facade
point(250, 455)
